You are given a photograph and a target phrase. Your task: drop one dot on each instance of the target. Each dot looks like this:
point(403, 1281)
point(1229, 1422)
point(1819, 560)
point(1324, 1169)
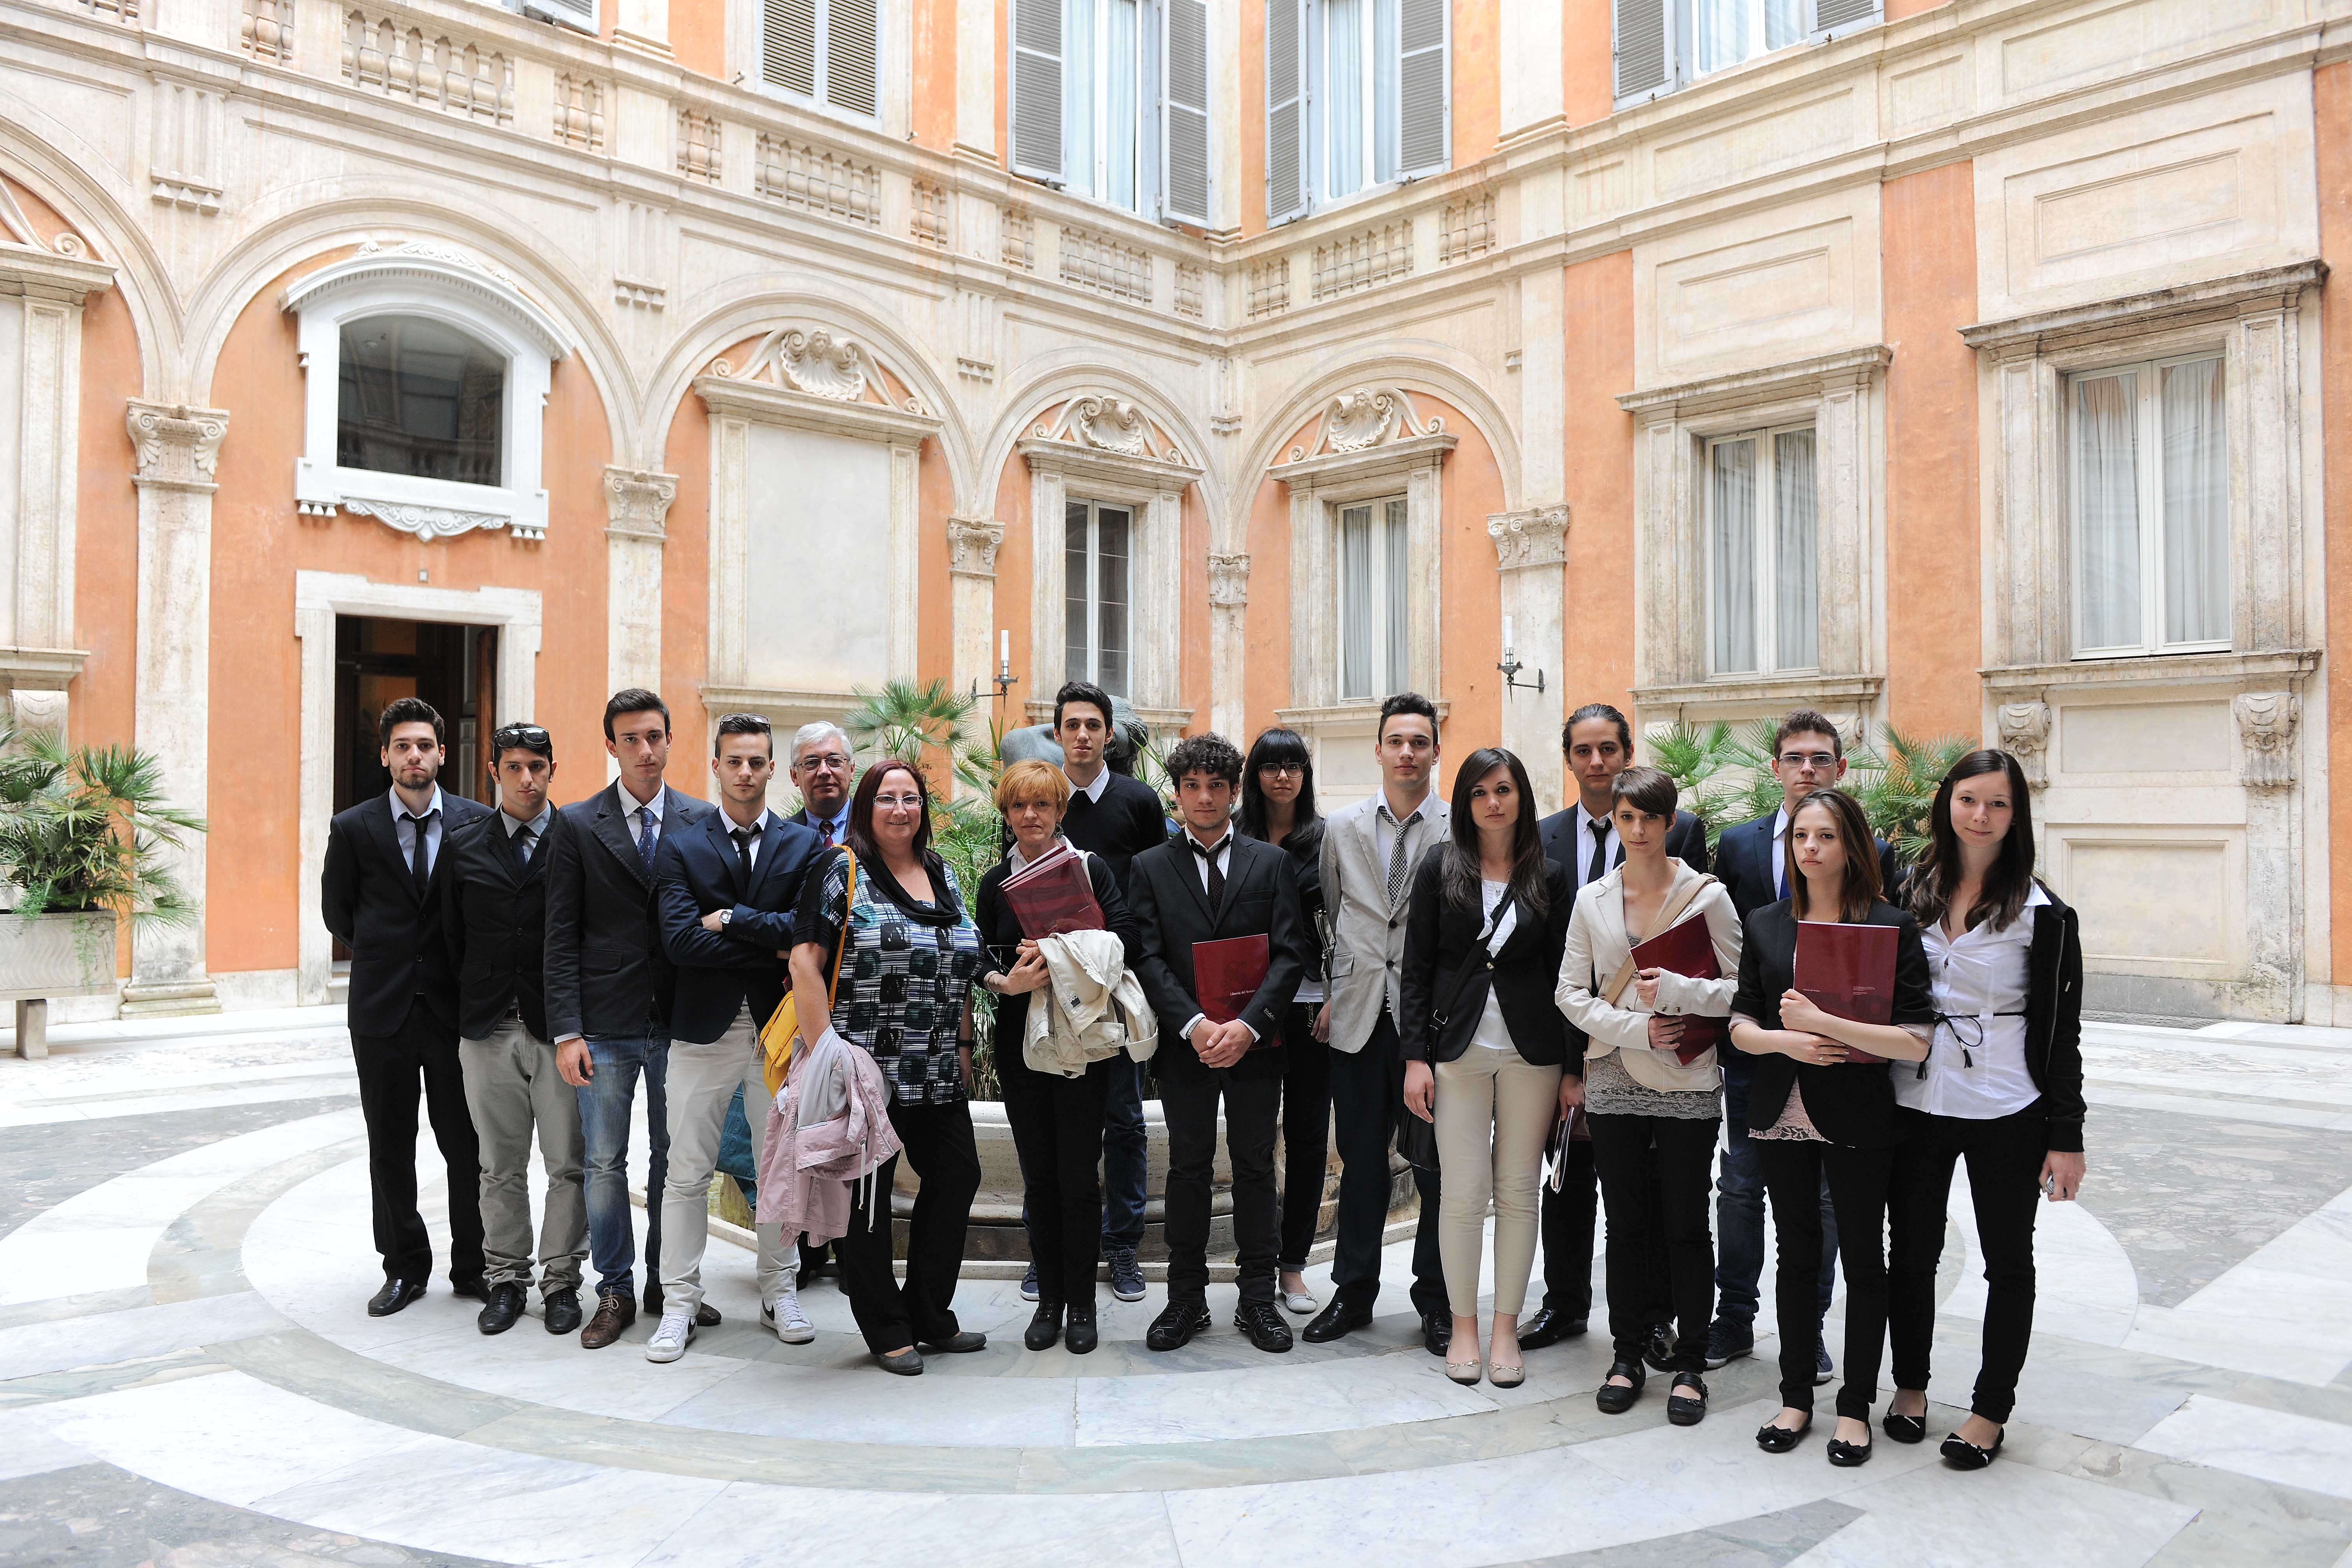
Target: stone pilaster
point(177, 447)
point(636, 504)
point(1531, 558)
point(972, 543)
point(1228, 644)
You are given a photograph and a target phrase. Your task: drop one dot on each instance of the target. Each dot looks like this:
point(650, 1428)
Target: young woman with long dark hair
point(2001, 1088)
point(1485, 1049)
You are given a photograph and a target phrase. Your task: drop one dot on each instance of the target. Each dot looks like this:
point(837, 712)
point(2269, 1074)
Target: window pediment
point(425, 268)
point(1370, 435)
point(814, 379)
point(1103, 440)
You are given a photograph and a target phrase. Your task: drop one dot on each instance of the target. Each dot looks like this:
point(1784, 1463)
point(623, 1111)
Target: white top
point(1093, 788)
point(757, 827)
point(1493, 1034)
point(1976, 1065)
point(1781, 852)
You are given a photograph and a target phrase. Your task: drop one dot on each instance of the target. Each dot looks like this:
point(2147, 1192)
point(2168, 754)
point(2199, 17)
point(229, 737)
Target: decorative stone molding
point(1535, 538)
point(177, 446)
point(2266, 724)
point(1366, 417)
point(2024, 732)
point(29, 711)
point(839, 370)
point(972, 543)
point(636, 503)
point(1228, 580)
point(431, 521)
point(1108, 424)
point(189, 129)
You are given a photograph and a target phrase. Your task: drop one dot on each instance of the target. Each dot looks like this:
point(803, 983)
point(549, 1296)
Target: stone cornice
point(47, 275)
point(775, 404)
point(2086, 676)
point(2271, 288)
point(1850, 368)
point(1127, 471)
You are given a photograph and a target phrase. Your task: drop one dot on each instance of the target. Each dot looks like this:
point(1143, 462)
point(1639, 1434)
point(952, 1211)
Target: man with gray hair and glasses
point(822, 772)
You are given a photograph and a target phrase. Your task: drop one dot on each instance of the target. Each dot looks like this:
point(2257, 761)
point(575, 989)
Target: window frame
point(1392, 513)
point(819, 100)
point(1678, 20)
point(1765, 584)
point(1092, 596)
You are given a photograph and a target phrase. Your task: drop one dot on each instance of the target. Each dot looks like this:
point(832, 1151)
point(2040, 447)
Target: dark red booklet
point(1226, 974)
point(1686, 949)
point(1848, 971)
point(1052, 895)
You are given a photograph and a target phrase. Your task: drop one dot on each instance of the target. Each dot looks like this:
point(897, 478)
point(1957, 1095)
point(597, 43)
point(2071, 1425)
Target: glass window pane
point(1356, 674)
point(1111, 525)
point(1079, 109)
point(1796, 619)
point(1784, 22)
point(1077, 593)
point(420, 398)
point(1388, 96)
point(1731, 495)
point(1726, 32)
point(1118, 105)
point(2196, 505)
point(1343, 97)
point(1397, 674)
point(2106, 503)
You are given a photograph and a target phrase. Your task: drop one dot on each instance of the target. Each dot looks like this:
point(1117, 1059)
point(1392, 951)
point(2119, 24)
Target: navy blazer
point(1685, 841)
point(698, 873)
point(605, 971)
point(369, 902)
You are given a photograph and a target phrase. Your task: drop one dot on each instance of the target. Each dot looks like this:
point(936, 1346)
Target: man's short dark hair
point(1589, 712)
point(1081, 691)
point(522, 735)
point(1406, 702)
point(635, 700)
point(408, 710)
point(1206, 753)
point(743, 724)
point(1650, 790)
point(1806, 722)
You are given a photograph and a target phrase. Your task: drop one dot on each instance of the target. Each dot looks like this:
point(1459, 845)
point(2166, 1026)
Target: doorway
point(378, 660)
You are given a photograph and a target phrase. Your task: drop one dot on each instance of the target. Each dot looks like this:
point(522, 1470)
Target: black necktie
point(742, 836)
point(420, 869)
point(1216, 878)
point(1599, 867)
point(521, 846)
point(648, 836)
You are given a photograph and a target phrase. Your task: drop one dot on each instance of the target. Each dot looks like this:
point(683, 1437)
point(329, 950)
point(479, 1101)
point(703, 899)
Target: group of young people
point(1460, 964)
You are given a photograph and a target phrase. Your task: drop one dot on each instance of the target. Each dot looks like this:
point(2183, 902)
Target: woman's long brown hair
point(1462, 870)
point(1861, 886)
point(2008, 883)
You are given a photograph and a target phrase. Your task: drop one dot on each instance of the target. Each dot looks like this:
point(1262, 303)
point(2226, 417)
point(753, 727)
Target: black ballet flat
point(1847, 1456)
point(1905, 1428)
point(1782, 1440)
point(1686, 1409)
point(1963, 1454)
point(1611, 1400)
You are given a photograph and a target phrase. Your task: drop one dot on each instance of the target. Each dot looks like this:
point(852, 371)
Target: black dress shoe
point(1548, 1327)
point(1686, 1409)
point(1336, 1321)
point(1436, 1331)
point(1045, 1327)
point(1614, 1399)
point(1963, 1454)
point(1905, 1428)
point(472, 1289)
point(1263, 1325)
point(396, 1294)
point(1658, 1347)
point(963, 1342)
point(505, 1307)
point(1846, 1456)
point(1781, 1440)
point(706, 1316)
point(1177, 1323)
point(563, 1312)
point(1079, 1338)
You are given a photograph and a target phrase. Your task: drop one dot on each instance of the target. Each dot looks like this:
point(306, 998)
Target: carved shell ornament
point(1365, 417)
point(840, 370)
point(1108, 424)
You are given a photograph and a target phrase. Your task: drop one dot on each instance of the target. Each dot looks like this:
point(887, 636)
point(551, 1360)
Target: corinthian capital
point(177, 445)
point(1538, 537)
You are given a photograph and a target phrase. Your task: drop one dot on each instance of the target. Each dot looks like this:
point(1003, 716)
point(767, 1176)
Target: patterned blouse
point(903, 982)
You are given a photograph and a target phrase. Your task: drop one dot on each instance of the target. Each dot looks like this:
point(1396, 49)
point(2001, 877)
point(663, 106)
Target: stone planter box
point(52, 956)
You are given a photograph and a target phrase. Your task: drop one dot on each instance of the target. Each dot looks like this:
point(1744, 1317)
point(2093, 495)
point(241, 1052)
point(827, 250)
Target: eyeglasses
point(1285, 769)
point(520, 735)
point(1808, 759)
point(826, 760)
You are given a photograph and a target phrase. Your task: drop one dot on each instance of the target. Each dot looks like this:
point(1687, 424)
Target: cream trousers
point(1494, 1111)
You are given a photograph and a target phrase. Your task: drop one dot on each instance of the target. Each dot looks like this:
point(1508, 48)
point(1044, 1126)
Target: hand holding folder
point(1848, 971)
point(1052, 895)
point(1226, 974)
point(1687, 949)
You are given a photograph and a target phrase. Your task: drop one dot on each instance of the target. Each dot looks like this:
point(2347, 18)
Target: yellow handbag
point(783, 1026)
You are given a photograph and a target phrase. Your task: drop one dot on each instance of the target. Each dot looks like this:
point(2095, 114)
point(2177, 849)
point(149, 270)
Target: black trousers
point(390, 1068)
point(1367, 1096)
point(891, 1314)
point(1857, 1181)
point(1251, 1105)
point(1567, 1223)
point(2004, 1156)
point(1057, 1133)
point(1306, 1131)
point(1656, 1201)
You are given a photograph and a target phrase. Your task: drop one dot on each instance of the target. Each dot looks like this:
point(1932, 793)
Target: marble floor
point(187, 1377)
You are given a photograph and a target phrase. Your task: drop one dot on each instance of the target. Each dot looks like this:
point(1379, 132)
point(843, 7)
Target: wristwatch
point(726, 918)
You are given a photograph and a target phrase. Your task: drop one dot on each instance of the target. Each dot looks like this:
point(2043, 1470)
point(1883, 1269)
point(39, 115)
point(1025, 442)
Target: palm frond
point(1898, 790)
point(90, 827)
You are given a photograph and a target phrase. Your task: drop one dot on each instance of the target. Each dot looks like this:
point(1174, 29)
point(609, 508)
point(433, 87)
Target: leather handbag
point(783, 1026)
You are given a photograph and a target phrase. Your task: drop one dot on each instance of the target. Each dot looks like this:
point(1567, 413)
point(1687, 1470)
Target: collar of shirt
point(1219, 853)
point(538, 824)
point(2020, 930)
point(1381, 807)
point(400, 808)
point(837, 825)
point(642, 808)
point(758, 827)
point(1093, 790)
point(1779, 851)
point(1018, 860)
point(1584, 821)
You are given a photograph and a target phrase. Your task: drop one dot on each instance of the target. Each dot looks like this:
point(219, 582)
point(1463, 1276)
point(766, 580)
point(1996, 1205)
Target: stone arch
point(1055, 379)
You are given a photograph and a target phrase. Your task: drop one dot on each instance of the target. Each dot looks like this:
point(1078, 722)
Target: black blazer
point(1853, 1102)
point(1303, 845)
point(605, 967)
point(370, 905)
point(1439, 935)
point(1685, 841)
point(697, 873)
point(494, 920)
point(1127, 822)
point(1171, 912)
point(1000, 928)
point(802, 818)
point(1743, 863)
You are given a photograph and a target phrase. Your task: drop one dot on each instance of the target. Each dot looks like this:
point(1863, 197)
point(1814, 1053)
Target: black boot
point(1044, 1326)
point(1080, 1335)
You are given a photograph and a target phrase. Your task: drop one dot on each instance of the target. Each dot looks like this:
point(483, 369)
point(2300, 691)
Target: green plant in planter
point(87, 829)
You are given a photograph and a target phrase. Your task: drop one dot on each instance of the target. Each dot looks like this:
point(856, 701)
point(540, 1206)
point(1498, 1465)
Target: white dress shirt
point(759, 830)
point(537, 824)
point(1584, 821)
point(1976, 1062)
point(641, 811)
point(1781, 852)
point(1093, 789)
point(403, 828)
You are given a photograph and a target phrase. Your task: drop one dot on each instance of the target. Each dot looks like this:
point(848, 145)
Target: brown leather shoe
point(615, 1311)
point(705, 1316)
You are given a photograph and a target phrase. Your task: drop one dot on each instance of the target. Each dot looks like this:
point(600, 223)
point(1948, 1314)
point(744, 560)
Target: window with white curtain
point(1373, 584)
point(1359, 94)
point(1097, 546)
point(2151, 493)
point(1660, 44)
point(1763, 579)
point(1102, 79)
point(1111, 99)
point(1730, 32)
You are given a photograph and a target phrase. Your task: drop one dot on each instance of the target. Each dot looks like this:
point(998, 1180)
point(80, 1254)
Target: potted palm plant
point(84, 839)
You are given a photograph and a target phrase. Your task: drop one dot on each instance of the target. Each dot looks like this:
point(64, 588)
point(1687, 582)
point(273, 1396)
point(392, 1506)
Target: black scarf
point(947, 911)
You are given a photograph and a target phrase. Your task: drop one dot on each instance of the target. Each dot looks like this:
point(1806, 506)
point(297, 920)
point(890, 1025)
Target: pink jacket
point(805, 1172)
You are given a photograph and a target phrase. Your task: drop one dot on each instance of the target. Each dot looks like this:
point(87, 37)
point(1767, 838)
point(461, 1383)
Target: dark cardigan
point(1438, 937)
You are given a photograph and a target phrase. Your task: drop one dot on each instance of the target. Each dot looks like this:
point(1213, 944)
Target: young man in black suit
point(609, 1015)
point(1582, 842)
point(1117, 819)
point(724, 893)
point(1208, 886)
point(381, 896)
point(494, 916)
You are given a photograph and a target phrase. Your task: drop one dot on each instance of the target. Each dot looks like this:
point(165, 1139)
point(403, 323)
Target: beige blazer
point(1367, 934)
point(1597, 948)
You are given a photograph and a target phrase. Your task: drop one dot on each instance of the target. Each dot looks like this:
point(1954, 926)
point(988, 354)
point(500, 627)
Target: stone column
point(972, 543)
point(1531, 555)
point(178, 447)
point(1228, 645)
point(636, 504)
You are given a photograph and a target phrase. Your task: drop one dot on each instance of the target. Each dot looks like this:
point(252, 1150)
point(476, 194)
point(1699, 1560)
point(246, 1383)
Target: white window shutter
point(1037, 88)
point(580, 14)
point(853, 31)
point(1286, 109)
point(1829, 14)
point(1643, 50)
point(1424, 87)
point(788, 44)
point(1184, 111)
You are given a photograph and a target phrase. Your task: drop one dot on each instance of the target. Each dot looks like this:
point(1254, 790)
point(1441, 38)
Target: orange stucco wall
point(1587, 43)
point(1898, 9)
point(934, 95)
point(1933, 611)
point(2332, 95)
point(698, 36)
point(1478, 79)
point(1266, 623)
point(1597, 664)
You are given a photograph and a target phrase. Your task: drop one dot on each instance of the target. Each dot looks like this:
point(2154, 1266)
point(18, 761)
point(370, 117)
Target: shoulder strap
point(1442, 1010)
point(849, 896)
point(1667, 915)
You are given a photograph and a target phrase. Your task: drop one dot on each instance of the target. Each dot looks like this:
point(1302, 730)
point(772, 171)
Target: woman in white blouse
point(1640, 1094)
point(2001, 1088)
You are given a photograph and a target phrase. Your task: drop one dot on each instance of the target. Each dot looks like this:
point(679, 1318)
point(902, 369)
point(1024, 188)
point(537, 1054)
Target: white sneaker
point(784, 1317)
point(670, 1340)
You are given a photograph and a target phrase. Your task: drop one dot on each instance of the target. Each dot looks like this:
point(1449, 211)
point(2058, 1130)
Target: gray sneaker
point(1029, 1284)
point(1824, 1368)
point(1126, 1273)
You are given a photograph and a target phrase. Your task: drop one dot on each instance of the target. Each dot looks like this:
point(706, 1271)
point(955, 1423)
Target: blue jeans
point(1127, 1150)
point(620, 1060)
point(1740, 1208)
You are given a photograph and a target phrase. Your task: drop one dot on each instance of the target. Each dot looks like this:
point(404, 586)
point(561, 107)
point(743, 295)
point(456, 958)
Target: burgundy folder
point(1052, 895)
point(1226, 974)
point(1686, 949)
point(1848, 971)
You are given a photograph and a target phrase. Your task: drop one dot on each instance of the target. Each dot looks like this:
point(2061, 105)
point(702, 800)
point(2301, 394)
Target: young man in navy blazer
point(381, 896)
point(724, 893)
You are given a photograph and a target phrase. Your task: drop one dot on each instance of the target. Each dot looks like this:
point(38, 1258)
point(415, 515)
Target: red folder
point(1226, 974)
point(1848, 971)
point(1052, 895)
point(1687, 949)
